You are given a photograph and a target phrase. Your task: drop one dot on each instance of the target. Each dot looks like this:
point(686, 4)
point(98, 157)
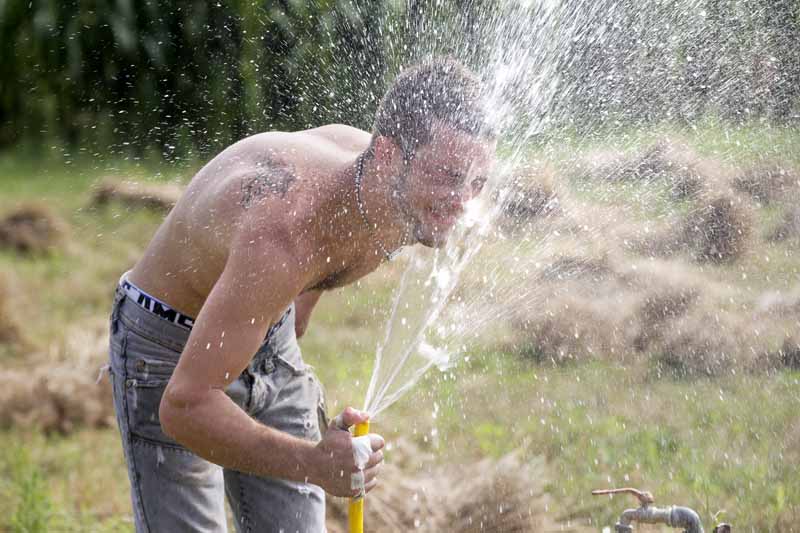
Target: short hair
point(438, 89)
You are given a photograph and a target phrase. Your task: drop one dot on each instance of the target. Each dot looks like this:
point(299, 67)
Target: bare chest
point(346, 275)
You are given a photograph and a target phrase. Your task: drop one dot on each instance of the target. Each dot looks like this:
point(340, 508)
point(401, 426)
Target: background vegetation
point(713, 435)
point(660, 349)
point(184, 78)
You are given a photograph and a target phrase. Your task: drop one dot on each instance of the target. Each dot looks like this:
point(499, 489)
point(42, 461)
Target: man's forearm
point(216, 429)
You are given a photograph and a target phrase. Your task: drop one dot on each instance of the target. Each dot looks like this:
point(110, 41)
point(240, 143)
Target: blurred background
point(644, 259)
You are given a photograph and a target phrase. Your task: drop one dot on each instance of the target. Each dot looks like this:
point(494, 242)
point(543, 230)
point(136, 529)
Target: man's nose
point(468, 192)
point(461, 196)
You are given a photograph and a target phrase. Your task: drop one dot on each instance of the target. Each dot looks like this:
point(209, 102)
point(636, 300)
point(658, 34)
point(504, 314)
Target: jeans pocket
point(266, 387)
point(148, 368)
point(143, 398)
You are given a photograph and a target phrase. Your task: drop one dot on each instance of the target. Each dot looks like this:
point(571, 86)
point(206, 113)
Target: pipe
point(672, 516)
point(355, 510)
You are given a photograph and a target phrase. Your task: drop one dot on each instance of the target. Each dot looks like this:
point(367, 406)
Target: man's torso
point(300, 178)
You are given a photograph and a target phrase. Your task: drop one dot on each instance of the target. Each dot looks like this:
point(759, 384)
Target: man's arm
point(303, 306)
point(252, 291)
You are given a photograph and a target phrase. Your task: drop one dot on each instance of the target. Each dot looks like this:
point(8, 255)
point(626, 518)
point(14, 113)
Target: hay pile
point(158, 197)
point(706, 344)
point(666, 312)
point(658, 310)
point(60, 394)
point(571, 321)
point(790, 353)
point(59, 398)
point(10, 331)
point(488, 495)
point(532, 195)
point(718, 230)
point(789, 226)
point(31, 229)
point(667, 160)
point(768, 182)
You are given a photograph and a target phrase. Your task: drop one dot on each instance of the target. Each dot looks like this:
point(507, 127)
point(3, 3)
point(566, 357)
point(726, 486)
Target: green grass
point(710, 444)
point(54, 483)
point(729, 443)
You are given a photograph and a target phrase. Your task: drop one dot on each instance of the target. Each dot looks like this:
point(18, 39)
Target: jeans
point(172, 489)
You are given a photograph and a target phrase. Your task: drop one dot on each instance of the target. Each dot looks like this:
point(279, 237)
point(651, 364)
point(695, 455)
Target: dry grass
point(669, 160)
point(666, 311)
point(32, 229)
point(533, 194)
point(568, 330)
point(790, 353)
point(718, 230)
point(789, 226)
point(658, 309)
point(566, 267)
point(10, 331)
point(768, 182)
point(489, 495)
point(59, 391)
point(158, 197)
point(55, 398)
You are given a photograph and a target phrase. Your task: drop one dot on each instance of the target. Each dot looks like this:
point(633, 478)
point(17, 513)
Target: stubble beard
point(419, 233)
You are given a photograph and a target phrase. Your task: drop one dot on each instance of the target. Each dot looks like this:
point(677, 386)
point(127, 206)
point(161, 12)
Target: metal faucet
point(673, 516)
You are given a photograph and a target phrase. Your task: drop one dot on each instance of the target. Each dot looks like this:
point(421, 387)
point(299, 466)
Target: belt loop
point(119, 297)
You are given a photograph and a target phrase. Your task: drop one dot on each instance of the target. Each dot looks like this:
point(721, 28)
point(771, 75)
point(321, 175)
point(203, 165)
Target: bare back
point(291, 178)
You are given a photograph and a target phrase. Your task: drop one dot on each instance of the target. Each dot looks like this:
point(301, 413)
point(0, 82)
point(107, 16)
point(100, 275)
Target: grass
point(725, 443)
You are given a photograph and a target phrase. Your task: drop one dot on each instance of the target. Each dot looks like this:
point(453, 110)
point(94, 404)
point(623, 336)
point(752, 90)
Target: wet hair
point(439, 89)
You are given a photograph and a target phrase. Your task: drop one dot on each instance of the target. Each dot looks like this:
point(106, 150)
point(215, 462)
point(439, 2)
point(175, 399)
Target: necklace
point(359, 202)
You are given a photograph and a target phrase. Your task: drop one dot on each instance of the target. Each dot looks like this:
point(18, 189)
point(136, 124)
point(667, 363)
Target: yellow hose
point(355, 511)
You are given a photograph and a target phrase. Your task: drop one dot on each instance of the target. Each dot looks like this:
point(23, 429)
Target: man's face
point(443, 175)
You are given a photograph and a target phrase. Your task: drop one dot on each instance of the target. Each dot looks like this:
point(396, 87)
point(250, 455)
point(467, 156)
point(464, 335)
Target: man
point(235, 270)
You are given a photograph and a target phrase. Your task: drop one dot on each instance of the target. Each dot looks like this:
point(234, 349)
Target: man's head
point(431, 132)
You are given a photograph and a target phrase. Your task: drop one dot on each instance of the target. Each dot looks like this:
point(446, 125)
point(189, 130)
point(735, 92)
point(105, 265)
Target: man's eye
point(455, 178)
point(478, 183)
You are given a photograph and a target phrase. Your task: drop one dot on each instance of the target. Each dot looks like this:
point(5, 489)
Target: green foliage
point(25, 485)
point(181, 76)
point(187, 77)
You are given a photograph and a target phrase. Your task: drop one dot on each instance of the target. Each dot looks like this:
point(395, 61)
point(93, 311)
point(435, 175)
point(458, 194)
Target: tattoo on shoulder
point(269, 180)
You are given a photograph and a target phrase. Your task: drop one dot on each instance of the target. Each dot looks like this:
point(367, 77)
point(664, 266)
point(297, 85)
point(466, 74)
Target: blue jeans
point(172, 489)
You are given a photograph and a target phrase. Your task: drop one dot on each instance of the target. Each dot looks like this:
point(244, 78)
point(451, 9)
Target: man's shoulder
point(341, 135)
point(330, 139)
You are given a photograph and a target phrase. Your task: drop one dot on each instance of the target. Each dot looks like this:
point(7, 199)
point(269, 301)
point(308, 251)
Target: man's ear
point(386, 150)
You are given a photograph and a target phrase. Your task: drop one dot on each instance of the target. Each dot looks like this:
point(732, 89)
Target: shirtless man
point(235, 270)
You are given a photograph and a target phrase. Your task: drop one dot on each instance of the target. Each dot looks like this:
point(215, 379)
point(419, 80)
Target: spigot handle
point(645, 498)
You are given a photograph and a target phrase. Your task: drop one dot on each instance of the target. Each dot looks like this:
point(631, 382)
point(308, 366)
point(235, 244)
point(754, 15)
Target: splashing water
point(526, 53)
point(421, 326)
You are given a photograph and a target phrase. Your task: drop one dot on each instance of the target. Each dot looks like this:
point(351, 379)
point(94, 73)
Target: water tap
point(673, 516)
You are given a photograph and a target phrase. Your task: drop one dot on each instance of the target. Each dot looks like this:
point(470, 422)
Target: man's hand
point(334, 461)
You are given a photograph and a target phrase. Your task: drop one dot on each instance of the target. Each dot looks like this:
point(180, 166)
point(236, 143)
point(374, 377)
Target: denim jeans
point(172, 489)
